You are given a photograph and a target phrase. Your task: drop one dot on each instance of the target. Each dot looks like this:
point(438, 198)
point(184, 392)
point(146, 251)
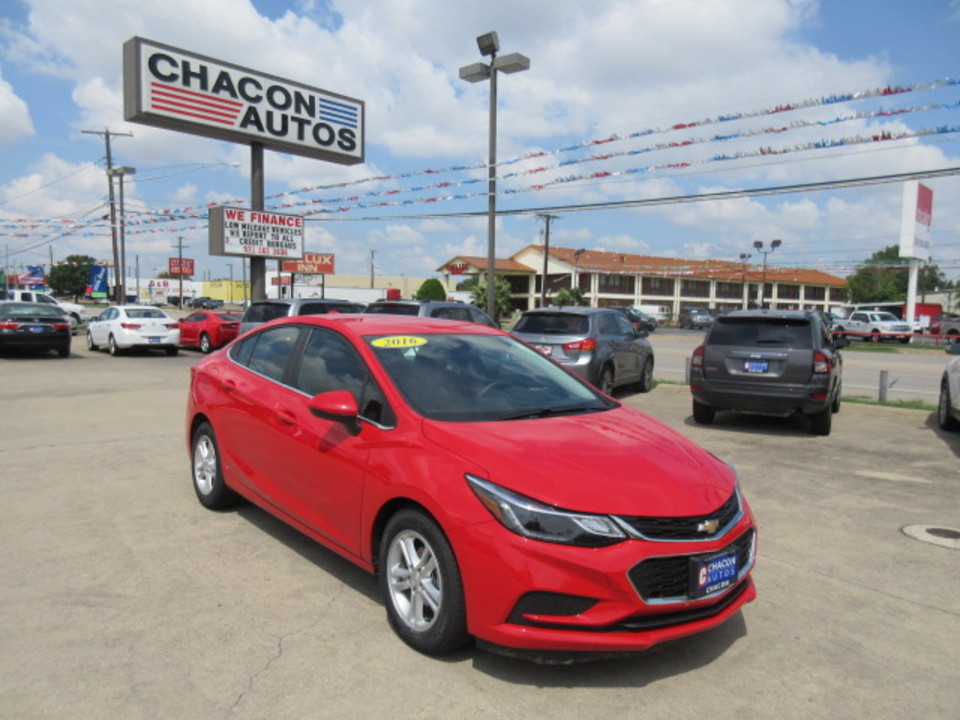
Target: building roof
point(469, 265)
point(626, 263)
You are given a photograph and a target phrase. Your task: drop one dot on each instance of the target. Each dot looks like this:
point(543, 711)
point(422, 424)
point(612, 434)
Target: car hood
point(620, 461)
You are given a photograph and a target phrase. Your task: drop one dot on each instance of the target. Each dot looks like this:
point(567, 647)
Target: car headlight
point(532, 519)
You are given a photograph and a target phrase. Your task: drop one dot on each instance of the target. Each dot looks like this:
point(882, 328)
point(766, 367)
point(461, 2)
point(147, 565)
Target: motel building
point(610, 278)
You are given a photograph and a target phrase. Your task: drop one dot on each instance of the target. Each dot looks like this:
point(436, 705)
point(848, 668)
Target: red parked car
point(496, 494)
point(208, 330)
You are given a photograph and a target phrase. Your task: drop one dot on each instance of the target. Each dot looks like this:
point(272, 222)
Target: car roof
point(362, 324)
point(568, 309)
point(451, 303)
point(302, 301)
point(775, 314)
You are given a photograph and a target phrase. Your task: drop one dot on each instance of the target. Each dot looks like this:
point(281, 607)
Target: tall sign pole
point(915, 222)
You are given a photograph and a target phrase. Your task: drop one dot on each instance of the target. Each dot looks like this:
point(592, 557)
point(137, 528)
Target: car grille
point(668, 578)
point(696, 527)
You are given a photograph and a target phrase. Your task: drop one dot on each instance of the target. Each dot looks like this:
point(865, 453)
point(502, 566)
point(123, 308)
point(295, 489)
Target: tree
point(172, 276)
point(431, 289)
point(71, 276)
point(570, 296)
point(885, 276)
point(501, 296)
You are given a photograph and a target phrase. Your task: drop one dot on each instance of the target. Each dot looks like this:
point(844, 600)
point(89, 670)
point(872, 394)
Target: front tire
point(421, 584)
point(212, 491)
point(645, 383)
point(945, 420)
point(91, 345)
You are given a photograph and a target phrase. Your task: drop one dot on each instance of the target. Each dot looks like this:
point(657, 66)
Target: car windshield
point(762, 332)
point(883, 317)
point(393, 309)
point(145, 313)
point(553, 324)
point(481, 378)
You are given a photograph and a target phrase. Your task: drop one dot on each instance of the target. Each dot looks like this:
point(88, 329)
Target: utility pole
point(546, 254)
point(372, 254)
point(118, 270)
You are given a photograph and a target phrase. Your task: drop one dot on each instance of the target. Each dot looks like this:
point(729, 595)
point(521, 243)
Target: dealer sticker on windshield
point(399, 341)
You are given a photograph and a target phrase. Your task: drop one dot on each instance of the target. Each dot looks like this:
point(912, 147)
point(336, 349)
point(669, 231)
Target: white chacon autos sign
point(178, 90)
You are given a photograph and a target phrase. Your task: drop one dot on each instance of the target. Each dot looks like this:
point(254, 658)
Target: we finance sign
point(255, 233)
point(178, 90)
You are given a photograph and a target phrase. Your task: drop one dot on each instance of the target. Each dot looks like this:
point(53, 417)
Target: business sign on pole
point(179, 266)
point(97, 284)
point(255, 233)
point(312, 264)
point(915, 221)
point(178, 90)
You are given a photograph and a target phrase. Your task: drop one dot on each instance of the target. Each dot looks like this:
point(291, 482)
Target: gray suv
point(443, 309)
point(261, 311)
point(599, 344)
point(768, 362)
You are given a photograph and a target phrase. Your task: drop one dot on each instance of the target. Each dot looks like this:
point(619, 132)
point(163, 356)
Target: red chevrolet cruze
point(496, 494)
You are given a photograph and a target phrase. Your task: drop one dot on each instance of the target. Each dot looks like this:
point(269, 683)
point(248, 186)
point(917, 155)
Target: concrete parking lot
point(120, 597)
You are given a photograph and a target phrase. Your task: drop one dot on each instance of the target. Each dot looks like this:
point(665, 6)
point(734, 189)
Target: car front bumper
point(531, 595)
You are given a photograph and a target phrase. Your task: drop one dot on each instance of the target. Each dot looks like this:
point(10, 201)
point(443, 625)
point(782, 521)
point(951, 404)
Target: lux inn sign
point(178, 90)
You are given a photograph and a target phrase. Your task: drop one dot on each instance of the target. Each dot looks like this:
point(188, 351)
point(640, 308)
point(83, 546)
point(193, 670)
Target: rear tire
point(172, 351)
point(703, 414)
point(835, 405)
point(205, 344)
point(421, 584)
point(821, 422)
point(605, 381)
point(112, 346)
point(64, 351)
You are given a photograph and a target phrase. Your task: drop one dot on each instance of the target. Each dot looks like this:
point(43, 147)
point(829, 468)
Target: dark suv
point(261, 311)
point(599, 344)
point(768, 362)
point(443, 309)
point(695, 318)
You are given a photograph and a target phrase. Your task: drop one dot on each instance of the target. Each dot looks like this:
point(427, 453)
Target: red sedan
point(496, 494)
point(208, 330)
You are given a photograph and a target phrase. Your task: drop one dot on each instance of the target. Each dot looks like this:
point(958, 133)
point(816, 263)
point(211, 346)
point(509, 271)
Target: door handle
point(286, 417)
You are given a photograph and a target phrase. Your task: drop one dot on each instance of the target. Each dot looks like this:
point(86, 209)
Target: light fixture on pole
point(743, 277)
point(758, 244)
point(489, 45)
point(121, 274)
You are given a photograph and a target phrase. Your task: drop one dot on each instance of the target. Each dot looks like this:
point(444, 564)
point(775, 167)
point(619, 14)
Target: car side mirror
point(640, 332)
point(338, 406)
point(840, 341)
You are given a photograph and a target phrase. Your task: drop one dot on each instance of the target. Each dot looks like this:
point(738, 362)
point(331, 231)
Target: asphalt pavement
point(120, 597)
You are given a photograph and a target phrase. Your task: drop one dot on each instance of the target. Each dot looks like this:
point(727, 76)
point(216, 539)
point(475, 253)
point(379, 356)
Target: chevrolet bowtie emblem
point(708, 526)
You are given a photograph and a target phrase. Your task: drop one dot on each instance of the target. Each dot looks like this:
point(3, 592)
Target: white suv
point(948, 407)
point(79, 312)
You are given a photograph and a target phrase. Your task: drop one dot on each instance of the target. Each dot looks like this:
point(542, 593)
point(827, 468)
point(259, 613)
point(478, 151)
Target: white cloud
point(15, 122)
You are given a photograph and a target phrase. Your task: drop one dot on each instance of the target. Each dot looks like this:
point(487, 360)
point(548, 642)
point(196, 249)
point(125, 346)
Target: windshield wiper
point(548, 411)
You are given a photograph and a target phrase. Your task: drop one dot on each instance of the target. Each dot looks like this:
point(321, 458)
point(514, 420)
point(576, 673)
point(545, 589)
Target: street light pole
point(743, 278)
point(758, 244)
point(489, 45)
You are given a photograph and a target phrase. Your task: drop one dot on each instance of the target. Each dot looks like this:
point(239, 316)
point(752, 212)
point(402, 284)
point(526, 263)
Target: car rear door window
point(451, 313)
point(265, 312)
point(554, 323)
point(271, 354)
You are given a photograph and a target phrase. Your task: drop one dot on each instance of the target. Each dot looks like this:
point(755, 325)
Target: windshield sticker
point(399, 341)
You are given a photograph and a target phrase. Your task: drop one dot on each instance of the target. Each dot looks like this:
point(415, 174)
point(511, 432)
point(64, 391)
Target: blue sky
point(600, 69)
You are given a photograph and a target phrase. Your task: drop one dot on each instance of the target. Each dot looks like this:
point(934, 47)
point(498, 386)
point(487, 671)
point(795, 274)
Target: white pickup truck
point(79, 312)
point(873, 325)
